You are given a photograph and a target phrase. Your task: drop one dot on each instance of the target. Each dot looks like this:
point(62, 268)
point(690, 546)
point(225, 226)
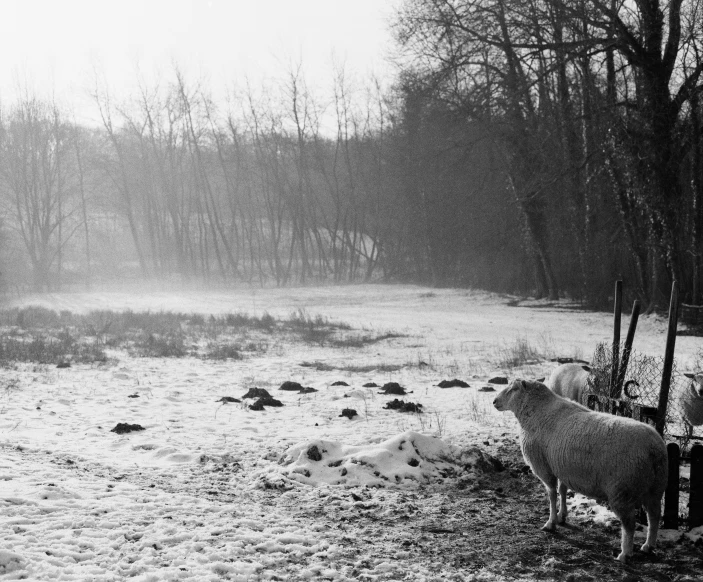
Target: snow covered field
point(213, 490)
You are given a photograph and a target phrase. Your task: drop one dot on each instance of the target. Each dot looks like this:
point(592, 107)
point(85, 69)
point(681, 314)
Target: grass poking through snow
point(523, 352)
point(37, 334)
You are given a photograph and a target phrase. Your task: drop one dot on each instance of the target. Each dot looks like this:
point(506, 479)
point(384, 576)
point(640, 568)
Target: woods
point(595, 109)
point(529, 147)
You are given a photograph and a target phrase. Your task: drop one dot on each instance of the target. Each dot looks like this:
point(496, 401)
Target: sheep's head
point(696, 384)
point(503, 400)
point(515, 395)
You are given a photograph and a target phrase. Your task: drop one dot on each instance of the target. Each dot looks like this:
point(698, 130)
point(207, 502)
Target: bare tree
point(37, 164)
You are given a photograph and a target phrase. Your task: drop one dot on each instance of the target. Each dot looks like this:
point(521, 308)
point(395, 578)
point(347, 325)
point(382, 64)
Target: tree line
point(169, 186)
point(524, 147)
point(593, 108)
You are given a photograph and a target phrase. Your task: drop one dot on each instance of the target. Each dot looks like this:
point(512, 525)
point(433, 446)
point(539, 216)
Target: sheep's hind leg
point(551, 486)
point(627, 519)
point(654, 509)
point(561, 516)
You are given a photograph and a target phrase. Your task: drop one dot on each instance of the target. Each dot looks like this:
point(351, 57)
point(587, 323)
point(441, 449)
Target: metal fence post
point(617, 315)
point(627, 349)
point(668, 358)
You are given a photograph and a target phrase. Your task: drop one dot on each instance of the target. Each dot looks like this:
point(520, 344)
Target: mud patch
point(456, 383)
point(125, 427)
point(258, 393)
point(402, 406)
point(393, 388)
point(262, 402)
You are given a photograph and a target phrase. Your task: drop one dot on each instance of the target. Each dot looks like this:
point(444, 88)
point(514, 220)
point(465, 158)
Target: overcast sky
point(54, 46)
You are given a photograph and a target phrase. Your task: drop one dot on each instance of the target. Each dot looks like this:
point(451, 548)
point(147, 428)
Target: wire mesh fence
point(641, 385)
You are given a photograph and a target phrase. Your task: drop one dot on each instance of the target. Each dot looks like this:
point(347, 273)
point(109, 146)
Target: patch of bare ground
point(493, 526)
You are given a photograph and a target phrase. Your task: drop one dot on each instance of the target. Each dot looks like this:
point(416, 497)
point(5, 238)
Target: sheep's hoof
point(561, 518)
point(549, 526)
point(647, 548)
point(623, 557)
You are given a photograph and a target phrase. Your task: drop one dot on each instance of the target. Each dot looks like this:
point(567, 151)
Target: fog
point(302, 143)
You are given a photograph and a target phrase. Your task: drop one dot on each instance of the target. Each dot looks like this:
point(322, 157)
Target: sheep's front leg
point(561, 516)
point(551, 524)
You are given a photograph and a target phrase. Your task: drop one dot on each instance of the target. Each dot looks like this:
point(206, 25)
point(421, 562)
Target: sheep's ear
point(587, 368)
point(689, 375)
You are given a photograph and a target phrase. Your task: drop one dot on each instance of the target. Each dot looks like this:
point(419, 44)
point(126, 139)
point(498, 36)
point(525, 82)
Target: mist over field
point(537, 153)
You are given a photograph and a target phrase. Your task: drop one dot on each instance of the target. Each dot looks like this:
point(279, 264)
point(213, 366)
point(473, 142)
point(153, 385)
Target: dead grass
point(366, 368)
point(37, 334)
point(523, 352)
point(219, 351)
point(517, 354)
point(318, 366)
point(9, 384)
point(48, 349)
point(353, 368)
point(160, 346)
point(360, 341)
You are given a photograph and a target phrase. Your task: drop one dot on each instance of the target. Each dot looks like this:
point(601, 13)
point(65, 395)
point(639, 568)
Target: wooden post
point(617, 316)
point(627, 349)
point(671, 495)
point(695, 501)
point(668, 358)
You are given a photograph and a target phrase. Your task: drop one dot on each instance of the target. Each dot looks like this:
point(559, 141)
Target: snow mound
point(695, 535)
point(406, 459)
point(9, 561)
point(53, 492)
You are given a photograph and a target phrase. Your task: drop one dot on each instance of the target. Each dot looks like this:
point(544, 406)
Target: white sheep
point(599, 455)
point(570, 381)
point(692, 400)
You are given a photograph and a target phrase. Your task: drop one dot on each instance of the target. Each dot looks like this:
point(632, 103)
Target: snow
point(466, 322)
point(695, 535)
point(409, 456)
point(211, 490)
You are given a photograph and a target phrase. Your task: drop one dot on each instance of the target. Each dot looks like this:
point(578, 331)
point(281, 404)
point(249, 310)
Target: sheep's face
point(509, 398)
point(696, 383)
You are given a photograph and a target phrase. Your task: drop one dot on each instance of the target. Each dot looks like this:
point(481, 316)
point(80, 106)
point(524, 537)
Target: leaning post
point(627, 349)
point(668, 358)
point(617, 317)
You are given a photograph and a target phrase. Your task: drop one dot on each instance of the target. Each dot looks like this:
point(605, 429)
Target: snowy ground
point(215, 491)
